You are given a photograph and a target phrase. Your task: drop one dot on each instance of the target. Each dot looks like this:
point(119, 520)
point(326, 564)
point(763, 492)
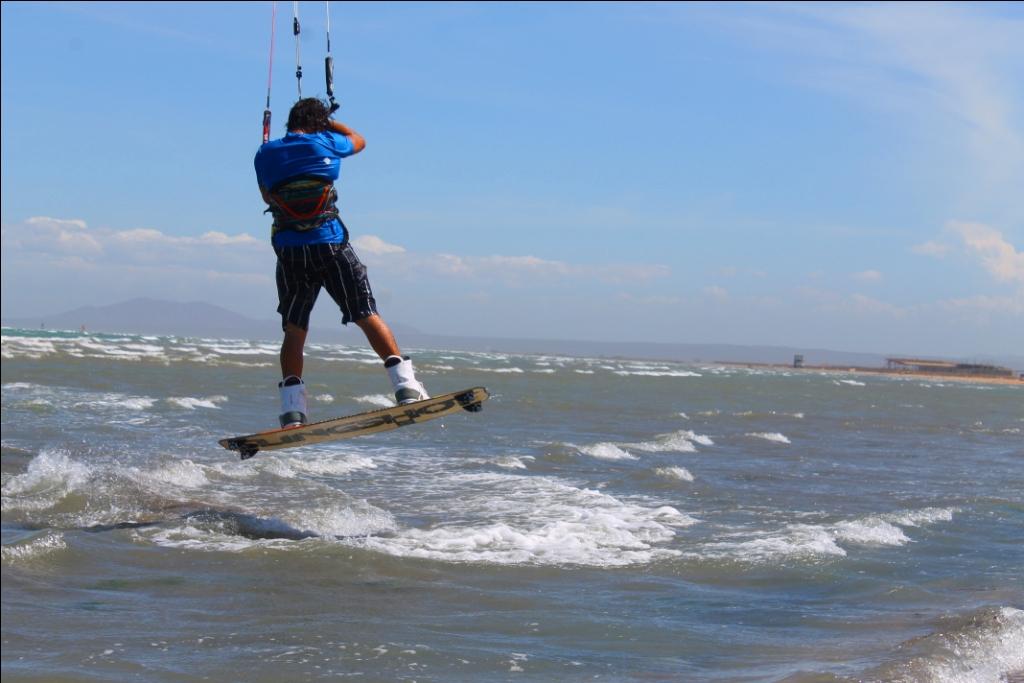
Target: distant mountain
point(153, 316)
point(198, 319)
point(183, 319)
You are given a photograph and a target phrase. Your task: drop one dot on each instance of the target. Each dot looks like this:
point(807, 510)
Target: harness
point(303, 204)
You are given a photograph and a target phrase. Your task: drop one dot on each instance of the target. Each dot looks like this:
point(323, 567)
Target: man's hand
point(358, 143)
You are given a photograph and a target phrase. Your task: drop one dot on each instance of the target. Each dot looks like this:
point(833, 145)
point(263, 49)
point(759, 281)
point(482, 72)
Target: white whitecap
point(113, 400)
point(984, 647)
point(681, 441)
point(138, 403)
point(511, 462)
point(921, 517)
point(190, 403)
point(606, 451)
point(48, 479)
point(870, 531)
point(329, 465)
point(358, 519)
point(657, 373)
point(774, 437)
point(176, 474)
point(379, 400)
point(794, 542)
point(46, 544)
point(674, 473)
point(539, 520)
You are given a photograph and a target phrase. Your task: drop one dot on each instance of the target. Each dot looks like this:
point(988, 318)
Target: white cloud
point(828, 301)
point(42, 236)
point(868, 276)
point(67, 262)
point(143, 236)
point(865, 304)
point(52, 234)
point(1000, 258)
point(46, 222)
point(1009, 305)
point(655, 300)
point(58, 263)
point(375, 245)
point(931, 248)
point(522, 269)
point(952, 68)
point(716, 293)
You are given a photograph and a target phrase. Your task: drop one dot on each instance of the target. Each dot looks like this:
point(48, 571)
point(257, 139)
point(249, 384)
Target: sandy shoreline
point(969, 379)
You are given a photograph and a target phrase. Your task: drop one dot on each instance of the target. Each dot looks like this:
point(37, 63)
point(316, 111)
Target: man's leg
point(291, 351)
point(348, 286)
point(379, 335)
point(403, 378)
point(294, 411)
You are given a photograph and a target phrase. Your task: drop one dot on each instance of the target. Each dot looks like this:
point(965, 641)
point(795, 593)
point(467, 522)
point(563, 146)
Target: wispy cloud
point(828, 301)
point(953, 66)
point(985, 304)
point(995, 253)
point(55, 262)
point(49, 255)
point(375, 245)
point(868, 276)
point(931, 248)
point(515, 268)
point(716, 293)
point(989, 249)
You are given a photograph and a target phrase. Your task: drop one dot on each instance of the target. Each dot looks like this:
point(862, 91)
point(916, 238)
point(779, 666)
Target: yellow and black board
point(370, 422)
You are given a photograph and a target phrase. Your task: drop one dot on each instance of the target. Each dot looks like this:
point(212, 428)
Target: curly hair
point(310, 115)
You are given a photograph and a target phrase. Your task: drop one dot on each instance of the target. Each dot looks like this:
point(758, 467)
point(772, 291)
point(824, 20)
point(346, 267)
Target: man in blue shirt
point(296, 176)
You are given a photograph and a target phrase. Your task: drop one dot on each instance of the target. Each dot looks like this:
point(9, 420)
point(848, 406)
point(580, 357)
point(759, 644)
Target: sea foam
point(985, 646)
point(50, 542)
point(794, 542)
point(675, 473)
point(681, 441)
point(539, 520)
point(49, 478)
point(606, 451)
point(378, 400)
point(870, 531)
point(774, 437)
point(189, 403)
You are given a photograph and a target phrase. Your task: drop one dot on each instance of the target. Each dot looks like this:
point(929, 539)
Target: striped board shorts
point(303, 270)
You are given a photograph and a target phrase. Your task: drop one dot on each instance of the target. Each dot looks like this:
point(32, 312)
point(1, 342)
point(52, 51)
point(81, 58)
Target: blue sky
point(818, 175)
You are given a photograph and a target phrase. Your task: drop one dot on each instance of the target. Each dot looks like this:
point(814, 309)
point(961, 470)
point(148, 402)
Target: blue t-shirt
point(303, 154)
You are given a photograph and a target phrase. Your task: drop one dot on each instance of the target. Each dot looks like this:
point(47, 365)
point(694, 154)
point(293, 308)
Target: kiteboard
point(370, 422)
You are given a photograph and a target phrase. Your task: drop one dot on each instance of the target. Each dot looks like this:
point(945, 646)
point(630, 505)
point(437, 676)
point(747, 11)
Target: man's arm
point(358, 143)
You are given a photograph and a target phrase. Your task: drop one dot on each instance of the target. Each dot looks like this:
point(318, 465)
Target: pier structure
point(943, 367)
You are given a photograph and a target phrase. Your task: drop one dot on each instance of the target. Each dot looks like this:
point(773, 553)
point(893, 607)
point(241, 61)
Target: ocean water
point(600, 519)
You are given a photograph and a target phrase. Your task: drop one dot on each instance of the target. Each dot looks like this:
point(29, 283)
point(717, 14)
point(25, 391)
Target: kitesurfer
point(296, 175)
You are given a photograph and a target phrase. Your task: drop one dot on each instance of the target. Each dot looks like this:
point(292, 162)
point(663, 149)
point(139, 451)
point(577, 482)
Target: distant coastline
point(843, 369)
point(199, 319)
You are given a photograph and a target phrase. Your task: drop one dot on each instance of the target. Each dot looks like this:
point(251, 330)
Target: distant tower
point(798, 360)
